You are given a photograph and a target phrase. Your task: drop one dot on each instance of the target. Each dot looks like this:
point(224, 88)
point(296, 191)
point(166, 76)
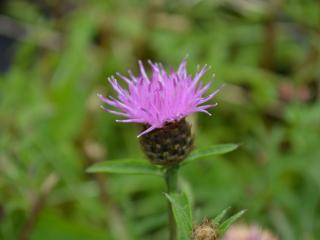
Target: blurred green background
point(55, 57)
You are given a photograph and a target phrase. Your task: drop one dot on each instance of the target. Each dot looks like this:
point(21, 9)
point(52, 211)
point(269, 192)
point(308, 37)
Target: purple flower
point(162, 98)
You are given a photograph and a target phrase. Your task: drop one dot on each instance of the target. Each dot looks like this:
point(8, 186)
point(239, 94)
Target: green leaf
point(182, 213)
point(213, 150)
point(125, 167)
point(223, 227)
point(217, 220)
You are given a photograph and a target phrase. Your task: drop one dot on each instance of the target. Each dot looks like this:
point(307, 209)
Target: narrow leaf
point(125, 167)
point(213, 150)
point(217, 220)
point(182, 214)
point(223, 227)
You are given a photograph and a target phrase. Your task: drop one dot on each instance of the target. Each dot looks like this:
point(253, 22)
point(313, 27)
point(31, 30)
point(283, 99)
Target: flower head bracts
point(159, 99)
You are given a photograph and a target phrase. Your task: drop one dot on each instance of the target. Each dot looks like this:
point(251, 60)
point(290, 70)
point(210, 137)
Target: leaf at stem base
point(127, 166)
point(182, 214)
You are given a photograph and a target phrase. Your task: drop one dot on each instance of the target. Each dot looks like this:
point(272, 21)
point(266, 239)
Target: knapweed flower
point(251, 232)
point(205, 231)
point(161, 102)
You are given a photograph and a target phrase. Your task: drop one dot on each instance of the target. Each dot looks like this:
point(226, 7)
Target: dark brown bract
point(168, 145)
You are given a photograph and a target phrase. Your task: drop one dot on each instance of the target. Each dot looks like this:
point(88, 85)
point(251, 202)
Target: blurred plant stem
point(271, 35)
point(171, 177)
point(114, 218)
point(37, 206)
point(93, 152)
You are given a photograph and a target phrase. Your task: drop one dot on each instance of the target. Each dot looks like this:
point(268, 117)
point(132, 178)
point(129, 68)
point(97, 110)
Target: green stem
point(171, 177)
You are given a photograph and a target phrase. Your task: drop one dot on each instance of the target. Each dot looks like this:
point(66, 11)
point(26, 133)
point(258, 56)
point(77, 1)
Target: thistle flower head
point(160, 98)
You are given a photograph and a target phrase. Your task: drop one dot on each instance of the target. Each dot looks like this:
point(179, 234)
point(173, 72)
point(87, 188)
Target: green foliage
point(218, 219)
point(131, 166)
point(126, 167)
point(226, 224)
point(65, 230)
point(182, 213)
point(213, 150)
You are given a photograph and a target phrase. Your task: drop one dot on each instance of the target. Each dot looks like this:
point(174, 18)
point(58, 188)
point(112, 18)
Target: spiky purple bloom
point(160, 99)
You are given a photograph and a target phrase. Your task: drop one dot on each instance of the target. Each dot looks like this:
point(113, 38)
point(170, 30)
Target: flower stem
point(171, 176)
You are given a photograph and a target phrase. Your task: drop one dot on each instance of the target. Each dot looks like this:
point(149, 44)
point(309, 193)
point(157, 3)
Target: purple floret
point(159, 99)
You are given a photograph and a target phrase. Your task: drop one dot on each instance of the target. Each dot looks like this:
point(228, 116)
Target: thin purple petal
point(163, 97)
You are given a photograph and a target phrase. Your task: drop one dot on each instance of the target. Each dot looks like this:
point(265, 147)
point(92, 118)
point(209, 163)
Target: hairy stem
point(171, 182)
